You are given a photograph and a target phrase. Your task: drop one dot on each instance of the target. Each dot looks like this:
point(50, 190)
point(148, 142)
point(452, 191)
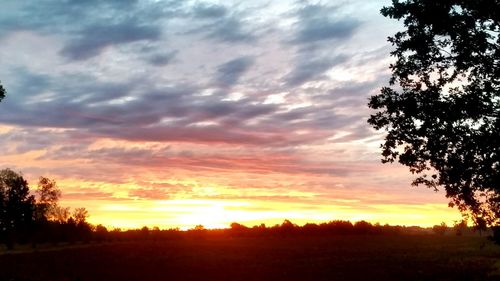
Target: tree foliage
point(16, 204)
point(441, 111)
point(440, 229)
point(80, 215)
point(48, 195)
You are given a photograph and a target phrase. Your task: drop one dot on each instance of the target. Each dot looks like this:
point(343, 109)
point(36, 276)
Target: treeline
point(337, 227)
point(285, 229)
point(28, 216)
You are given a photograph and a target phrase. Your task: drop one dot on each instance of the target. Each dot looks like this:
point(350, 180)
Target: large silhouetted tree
point(16, 206)
point(441, 112)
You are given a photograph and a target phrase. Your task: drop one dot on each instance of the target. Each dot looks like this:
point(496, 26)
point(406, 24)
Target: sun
point(211, 216)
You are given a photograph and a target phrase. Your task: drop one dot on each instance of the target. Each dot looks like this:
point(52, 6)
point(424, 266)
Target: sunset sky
point(178, 113)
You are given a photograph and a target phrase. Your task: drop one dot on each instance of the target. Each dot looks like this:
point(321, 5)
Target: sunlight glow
point(186, 214)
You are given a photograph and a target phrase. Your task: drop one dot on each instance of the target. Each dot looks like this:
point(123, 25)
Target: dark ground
point(355, 257)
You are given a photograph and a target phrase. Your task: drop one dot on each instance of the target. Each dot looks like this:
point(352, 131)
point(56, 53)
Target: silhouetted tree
point(363, 227)
point(16, 206)
point(237, 229)
point(48, 195)
point(340, 227)
point(199, 227)
point(443, 121)
point(59, 214)
point(101, 232)
point(310, 228)
point(2, 92)
point(286, 228)
point(83, 228)
point(80, 215)
point(145, 232)
point(440, 229)
point(460, 227)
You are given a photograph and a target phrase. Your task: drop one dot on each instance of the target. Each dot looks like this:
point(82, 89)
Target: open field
point(355, 257)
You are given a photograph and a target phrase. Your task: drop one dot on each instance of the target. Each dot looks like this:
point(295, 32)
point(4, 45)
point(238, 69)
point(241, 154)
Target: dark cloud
point(77, 9)
point(230, 72)
point(204, 10)
point(45, 101)
point(91, 40)
point(88, 27)
point(22, 140)
point(309, 69)
point(161, 59)
point(318, 30)
point(229, 30)
point(222, 24)
point(63, 17)
point(319, 23)
point(89, 105)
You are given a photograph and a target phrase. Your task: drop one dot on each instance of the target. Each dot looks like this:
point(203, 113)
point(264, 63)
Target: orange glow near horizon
point(185, 214)
point(215, 199)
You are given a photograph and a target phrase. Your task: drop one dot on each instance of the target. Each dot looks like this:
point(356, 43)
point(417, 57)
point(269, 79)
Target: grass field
point(355, 257)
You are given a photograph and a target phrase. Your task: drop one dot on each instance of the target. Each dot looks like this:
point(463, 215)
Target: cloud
point(86, 28)
point(64, 17)
point(230, 30)
point(89, 194)
point(177, 112)
point(161, 59)
point(98, 108)
point(230, 72)
point(53, 101)
point(149, 194)
point(310, 69)
point(204, 10)
point(223, 24)
point(160, 157)
point(158, 190)
point(23, 140)
point(321, 23)
point(91, 40)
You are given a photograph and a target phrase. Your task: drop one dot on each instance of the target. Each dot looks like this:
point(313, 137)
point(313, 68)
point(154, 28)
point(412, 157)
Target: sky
point(178, 113)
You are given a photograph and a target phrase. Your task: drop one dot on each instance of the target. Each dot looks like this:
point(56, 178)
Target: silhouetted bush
point(440, 229)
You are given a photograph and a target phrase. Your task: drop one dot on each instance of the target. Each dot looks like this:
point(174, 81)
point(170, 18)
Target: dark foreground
point(355, 257)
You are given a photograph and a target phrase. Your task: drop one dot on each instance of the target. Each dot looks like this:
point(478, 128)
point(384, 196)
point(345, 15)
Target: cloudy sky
point(175, 113)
